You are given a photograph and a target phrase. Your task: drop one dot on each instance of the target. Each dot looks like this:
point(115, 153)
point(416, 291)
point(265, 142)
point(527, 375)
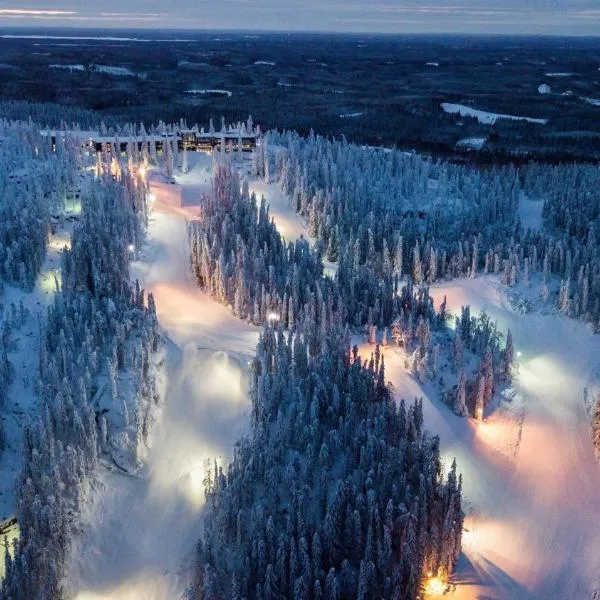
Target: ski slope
point(531, 481)
point(139, 530)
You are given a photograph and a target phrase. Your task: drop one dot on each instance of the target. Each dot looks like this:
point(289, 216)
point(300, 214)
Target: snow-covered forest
point(385, 214)
point(342, 483)
point(337, 493)
point(98, 325)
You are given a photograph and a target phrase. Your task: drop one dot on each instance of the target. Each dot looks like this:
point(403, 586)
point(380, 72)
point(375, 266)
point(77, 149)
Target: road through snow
point(138, 531)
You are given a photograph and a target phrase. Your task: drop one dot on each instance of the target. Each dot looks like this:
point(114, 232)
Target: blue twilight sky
point(568, 17)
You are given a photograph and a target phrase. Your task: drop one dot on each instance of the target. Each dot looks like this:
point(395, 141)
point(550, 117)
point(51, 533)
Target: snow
point(289, 223)
point(22, 402)
point(266, 63)
point(476, 143)
point(139, 531)
point(108, 69)
point(201, 91)
point(560, 74)
point(530, 478)
point(68, 67)
point(432, 64)
point(353, 115)
point(530, 212)
point(544, 88)
point(593, 101)
point(484, 116)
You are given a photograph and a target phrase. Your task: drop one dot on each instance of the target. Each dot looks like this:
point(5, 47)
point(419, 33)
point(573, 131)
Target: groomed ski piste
point(531, 480)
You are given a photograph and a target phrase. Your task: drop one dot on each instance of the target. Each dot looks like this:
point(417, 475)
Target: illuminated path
point(140, 531)
point(531, 481)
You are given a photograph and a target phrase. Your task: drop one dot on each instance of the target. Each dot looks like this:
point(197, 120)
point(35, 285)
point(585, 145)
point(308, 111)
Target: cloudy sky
point(572, 17)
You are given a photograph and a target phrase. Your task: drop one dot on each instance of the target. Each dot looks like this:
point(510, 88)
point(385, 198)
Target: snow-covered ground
point(531, 480)
point(530, 212)
point(484, 116)
point(289, 223)
point(21, 404)
point(204, 92)
point(544, 89)
point(23, 353)
point(476, 143)
point(139, 531)
point(109, 69)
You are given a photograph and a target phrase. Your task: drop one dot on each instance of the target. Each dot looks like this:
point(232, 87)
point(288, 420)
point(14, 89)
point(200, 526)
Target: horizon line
point(256, 31)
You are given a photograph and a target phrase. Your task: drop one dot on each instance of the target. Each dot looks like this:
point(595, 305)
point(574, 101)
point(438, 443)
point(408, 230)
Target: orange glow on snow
point(435, 586)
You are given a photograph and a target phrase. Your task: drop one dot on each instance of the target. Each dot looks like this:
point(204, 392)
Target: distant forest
point(381, 90)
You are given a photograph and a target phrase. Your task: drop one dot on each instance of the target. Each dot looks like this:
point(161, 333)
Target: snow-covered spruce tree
point(97, 317)
point(448, 220)
point(239, 257)
point(33, 184)
point(336, 492)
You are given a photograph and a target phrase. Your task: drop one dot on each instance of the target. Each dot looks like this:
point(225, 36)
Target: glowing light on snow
point(272, 317)
point(142, 171)
point(131, 248)
point(59, 242)
point(151, 197)
point(519, 354)
point(435, 586)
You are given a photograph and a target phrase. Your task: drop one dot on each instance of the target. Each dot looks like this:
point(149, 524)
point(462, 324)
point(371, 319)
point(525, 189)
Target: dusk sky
point(572, 17)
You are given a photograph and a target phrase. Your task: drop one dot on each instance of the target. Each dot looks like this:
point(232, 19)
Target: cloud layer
point(567, 17)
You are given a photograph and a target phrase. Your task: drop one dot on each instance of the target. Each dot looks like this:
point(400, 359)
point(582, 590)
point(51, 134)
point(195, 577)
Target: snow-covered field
point(484, 116)
point(531, 480)
point(108, 69)
point(476, 143)
point(203, 92)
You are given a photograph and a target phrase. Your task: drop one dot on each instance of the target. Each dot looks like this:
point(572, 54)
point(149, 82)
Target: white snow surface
point(484, 116)
point(202, 92)
point(108, 69)
point(138, 532)
point(530, 478)
point(265, 63)
point(544, 89)
point(23, 353)
point(530, 212)
point(476, 143)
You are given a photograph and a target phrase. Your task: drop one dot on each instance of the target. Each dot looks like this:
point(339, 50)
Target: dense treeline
point(337, 493)
point(98, 325)
point(387, 214)
point(239, 257)
point(33, 183)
